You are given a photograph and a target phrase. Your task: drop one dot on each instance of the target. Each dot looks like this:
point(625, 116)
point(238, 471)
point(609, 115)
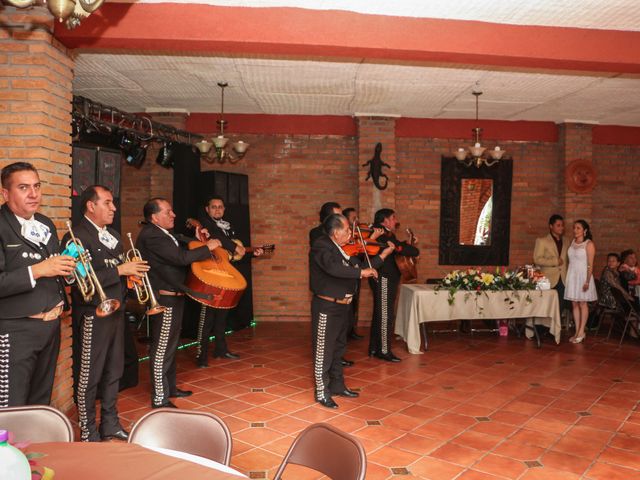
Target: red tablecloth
point(118, 460)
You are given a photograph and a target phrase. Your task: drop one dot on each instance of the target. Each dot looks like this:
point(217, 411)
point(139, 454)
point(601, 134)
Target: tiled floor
point(473, 407)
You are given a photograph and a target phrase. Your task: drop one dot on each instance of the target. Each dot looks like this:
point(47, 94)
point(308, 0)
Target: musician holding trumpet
point(98, 298)
point(31, 291)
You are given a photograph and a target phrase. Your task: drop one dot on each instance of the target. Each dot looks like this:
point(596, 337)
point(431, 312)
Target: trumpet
point(86, 278)
point(142, 285)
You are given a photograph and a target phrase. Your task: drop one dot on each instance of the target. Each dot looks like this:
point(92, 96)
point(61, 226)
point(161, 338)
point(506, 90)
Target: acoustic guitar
point(234, 257)
point(215, 276)
point(408, 265)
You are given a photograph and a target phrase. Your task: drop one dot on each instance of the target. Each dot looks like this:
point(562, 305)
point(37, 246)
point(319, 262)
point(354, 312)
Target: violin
point(372, 248)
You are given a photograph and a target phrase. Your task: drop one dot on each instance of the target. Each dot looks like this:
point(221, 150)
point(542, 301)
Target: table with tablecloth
point(423, 303)
point(113, 460)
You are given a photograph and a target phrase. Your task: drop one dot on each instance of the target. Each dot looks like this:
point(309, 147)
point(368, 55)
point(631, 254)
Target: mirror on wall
point(475, 213)
point(476, 206)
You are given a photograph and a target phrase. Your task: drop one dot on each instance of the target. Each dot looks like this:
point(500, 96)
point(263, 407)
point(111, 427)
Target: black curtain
point(186, 170)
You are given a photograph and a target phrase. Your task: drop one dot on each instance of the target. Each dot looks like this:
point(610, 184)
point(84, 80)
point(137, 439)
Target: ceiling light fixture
point(221, 143)
point(73, 11)
point(476, 154)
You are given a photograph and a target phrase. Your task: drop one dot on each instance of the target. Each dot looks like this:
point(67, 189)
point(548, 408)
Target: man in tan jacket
point(550, 254)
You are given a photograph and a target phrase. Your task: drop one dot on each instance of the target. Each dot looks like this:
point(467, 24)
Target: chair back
point(36, 424)
point(328, 450)
point(198, 433)
point(622, 302)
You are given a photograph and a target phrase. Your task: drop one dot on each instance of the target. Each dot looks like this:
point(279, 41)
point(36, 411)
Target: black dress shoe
point(202, 363)
point(348, 393)
point(229, 355)
point(354, 336)
point(119, 435)
point(387, 357)
point(328, 402)
point(167, 404)
point(393, 357)
point(346, 363)
point(181, 393)
point(373, 353)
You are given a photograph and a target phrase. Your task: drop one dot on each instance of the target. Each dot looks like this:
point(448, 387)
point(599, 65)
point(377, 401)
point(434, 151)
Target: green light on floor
point(191, 344)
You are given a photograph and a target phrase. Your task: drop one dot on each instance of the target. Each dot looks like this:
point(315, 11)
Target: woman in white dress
point(580, 287)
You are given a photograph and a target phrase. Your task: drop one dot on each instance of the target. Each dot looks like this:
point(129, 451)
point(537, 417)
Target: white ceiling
point(137, 81)
point(601, 14)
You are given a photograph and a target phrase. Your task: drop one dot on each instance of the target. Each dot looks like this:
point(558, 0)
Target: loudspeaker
point(91, 166)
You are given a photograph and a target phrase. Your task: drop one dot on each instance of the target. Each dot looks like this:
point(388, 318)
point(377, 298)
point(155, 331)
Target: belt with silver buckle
point(50, 315)
point(342, 301)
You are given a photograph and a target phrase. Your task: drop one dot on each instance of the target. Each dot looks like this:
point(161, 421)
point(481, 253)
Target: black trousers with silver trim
point(165, 336)
point(329, 325)
point(353, 311)
point(98, 363)
point(212, 320)
point(384, 301)
point(28, 354)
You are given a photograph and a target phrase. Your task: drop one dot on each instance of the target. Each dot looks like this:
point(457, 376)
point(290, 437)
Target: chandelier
point(72, 12)
point(477, 154)
point(221, 143)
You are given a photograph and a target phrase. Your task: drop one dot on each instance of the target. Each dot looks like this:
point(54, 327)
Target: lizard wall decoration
point(375, 169)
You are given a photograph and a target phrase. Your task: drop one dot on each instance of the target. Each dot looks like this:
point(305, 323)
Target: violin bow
point(356, 227)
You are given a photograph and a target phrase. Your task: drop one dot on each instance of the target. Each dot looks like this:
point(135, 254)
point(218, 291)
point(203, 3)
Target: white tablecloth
point(421, 303)
point(196, 459)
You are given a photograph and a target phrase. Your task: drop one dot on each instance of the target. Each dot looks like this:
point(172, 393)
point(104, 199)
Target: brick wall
point(615, 217)
point(35, 126)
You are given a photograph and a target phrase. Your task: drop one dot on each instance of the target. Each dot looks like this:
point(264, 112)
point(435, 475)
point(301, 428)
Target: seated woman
point(609, 279)
point(630, 273)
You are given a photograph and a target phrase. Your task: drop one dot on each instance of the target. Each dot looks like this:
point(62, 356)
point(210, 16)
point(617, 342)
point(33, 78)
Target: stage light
point(165, 155)
point(136, 155)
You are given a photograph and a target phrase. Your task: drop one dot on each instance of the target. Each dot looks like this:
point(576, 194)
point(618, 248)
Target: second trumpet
point(142, 285)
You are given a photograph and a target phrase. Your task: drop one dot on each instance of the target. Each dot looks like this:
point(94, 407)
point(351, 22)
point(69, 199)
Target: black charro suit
point(214, 320)
point(384, 293)
point(315, 233)
point(169, 263)
point(332, 274)
point(98, 342)
point(28, 347)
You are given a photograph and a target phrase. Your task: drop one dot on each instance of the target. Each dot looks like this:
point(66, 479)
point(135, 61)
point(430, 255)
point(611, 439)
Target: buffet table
point(113, 460)
point(419, 304)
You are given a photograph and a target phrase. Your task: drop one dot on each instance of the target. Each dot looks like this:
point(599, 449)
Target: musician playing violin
point(332, 278)
point(169, 258)
point(214, 320)
point(371, 235)
point(386, 288)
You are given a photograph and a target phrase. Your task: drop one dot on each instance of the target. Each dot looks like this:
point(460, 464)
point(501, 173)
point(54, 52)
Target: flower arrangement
point(476, 282)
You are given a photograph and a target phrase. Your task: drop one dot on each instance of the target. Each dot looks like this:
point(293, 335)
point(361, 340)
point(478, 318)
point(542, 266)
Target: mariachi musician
point(98, 339)
point(214, 320)
point(332, 278)
point(169, 258)
point(31, 291)
point(326, 209)
point(386, 288)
